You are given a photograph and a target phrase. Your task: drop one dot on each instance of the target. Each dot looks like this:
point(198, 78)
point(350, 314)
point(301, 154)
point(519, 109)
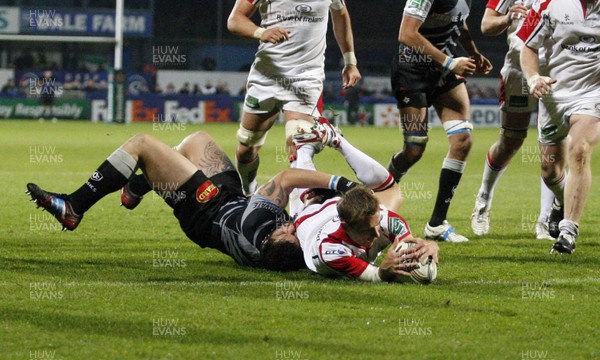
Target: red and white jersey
point(329, 251)
point(514, 42)
point(303, 54)
point(569, 32)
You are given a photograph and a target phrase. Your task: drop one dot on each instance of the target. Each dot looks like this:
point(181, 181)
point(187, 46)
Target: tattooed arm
point(278, 189)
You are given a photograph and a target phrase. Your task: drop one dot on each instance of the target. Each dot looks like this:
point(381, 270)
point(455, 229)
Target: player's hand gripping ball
point(426, 272)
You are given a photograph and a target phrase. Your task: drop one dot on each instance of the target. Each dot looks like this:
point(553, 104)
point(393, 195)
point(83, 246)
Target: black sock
point(138, 185)
point(112, 175)
point(448, 182)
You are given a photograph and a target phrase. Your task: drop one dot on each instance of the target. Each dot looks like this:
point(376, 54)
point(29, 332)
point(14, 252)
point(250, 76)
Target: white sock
point(367, 170)
point(303, 161)
point(546, 198)
point(569, 226)
point(491, 175)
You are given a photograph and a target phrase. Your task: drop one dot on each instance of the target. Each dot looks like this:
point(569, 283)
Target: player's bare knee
point(141, 139)
point(512, 139)
point(414, 146)
point(200, 135)
point(251, 138)
point(461, 143)
point(579, 151)
point(551, 172)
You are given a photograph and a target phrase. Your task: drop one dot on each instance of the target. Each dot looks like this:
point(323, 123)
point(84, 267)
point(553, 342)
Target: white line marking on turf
point(515, 282)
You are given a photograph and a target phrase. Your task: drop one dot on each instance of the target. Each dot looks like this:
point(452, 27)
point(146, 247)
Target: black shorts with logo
point(417, 80)
point(201, 200)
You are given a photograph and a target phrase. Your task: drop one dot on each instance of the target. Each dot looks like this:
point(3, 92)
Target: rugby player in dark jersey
point(202, 186)
point(426, 72)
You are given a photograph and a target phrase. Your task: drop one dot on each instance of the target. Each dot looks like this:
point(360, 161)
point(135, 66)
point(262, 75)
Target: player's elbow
point(232, 23)
point(408, 38)
point(486, 29)
point(284, 179)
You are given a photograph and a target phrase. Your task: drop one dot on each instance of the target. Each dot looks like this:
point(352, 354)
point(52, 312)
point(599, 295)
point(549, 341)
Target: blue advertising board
point(81, 22)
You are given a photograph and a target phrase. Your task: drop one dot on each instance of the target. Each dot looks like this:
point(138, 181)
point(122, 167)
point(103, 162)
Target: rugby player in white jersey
point(516, 106)
point(427, 72)
point(342, 235)
point(568, 86)
point(288, 72)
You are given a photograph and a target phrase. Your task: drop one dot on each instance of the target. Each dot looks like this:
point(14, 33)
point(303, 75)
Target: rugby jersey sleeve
point(418, 9)
point(341, 258)
point(393, 225)
point(536, 27)
point(500, 6)
point(337, 4)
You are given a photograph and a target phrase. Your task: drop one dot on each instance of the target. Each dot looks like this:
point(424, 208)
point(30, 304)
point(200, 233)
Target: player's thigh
point(453, 104)
point(584, 132)
point(296, 115)
point(204, 152)
point(259, 121)
point(515, 120)
point(262, 103)
point(164, 167)
point(414, 120)
point(392, 198)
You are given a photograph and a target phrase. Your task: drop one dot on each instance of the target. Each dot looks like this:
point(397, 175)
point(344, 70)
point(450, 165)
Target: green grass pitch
point(128, 284)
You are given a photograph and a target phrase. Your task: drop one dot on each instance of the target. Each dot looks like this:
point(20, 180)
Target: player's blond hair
point(357, 207)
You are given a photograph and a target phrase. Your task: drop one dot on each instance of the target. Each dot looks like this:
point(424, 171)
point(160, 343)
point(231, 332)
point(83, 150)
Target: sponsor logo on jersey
point(518, 101)
point(549, 131)
point(97, 176)
point(206, 191)
point(583, 49)
point(334, 252)
point(454, 19)
point(416, 3)
point(588, 39)
point(267, 206)
point(252, 102)
point(396, 226)
point(303, 8)
point(300, 18)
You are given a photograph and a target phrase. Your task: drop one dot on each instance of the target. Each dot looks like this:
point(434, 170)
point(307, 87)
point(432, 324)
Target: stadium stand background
point(197, 30)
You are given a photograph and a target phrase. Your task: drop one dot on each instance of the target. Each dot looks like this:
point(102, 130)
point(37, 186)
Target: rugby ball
point(426, 271)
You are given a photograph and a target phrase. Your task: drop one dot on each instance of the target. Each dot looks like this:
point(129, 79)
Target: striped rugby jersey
point(303, 54)
point(327, 248)
point(443, 21)
point(569, 32)
point(243, 223)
